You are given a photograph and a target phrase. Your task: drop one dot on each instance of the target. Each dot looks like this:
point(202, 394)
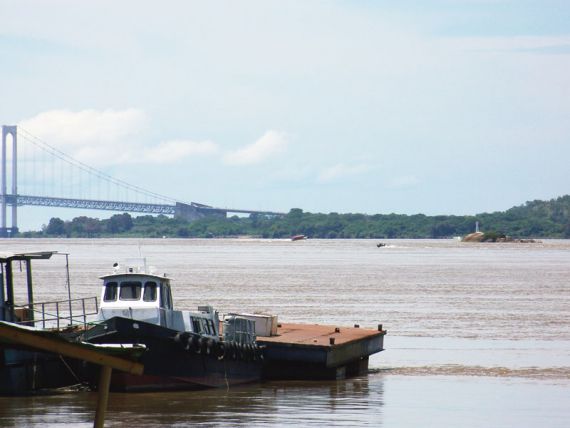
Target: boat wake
point(550, 373)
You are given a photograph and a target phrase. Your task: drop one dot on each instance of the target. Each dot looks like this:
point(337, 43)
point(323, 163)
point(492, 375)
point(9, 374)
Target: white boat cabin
point(136, 292)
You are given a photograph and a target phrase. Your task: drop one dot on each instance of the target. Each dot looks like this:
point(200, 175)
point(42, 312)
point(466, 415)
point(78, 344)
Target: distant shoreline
point(533, 220)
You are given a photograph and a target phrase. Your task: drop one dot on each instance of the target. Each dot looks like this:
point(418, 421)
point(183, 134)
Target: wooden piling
point(103, 392)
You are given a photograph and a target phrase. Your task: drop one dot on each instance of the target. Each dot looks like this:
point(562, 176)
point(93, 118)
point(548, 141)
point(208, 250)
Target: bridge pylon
point(9, 199)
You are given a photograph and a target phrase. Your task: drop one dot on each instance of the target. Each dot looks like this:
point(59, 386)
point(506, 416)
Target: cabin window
point(130, 290)
point(196, 326)
point(149, 291)
point(162, 297)
point(165, 297)
point(110, 292)
point(203, 326)
point(210, 327)
point(169, 297)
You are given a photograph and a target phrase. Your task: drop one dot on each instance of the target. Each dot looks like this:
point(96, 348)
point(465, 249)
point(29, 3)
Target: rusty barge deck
point(311, 351)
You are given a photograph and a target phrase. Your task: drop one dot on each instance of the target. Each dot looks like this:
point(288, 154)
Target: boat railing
point(58, 313)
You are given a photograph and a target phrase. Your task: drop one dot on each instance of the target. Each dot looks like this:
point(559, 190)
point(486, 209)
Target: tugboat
point(198, 349)
point(184, 349)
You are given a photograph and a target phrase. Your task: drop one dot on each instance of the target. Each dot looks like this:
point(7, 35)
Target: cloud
point(340, 171)
point(69, 128)
point(271, 144)
point(107, 137)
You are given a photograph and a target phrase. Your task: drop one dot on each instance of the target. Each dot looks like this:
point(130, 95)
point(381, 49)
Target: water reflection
point(356, 401)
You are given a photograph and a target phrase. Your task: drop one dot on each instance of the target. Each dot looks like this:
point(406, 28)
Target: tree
point(120, 223)
point(85, 226)
point(183, 232)
point(56, 226)
point(442, 230)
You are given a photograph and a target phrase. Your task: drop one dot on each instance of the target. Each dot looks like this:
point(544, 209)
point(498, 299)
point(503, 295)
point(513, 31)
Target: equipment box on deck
point(265, 324)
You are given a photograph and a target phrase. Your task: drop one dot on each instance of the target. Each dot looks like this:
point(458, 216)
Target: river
point(478, 334)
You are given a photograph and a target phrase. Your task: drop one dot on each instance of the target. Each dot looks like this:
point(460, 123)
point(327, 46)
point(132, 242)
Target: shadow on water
point(357, 401)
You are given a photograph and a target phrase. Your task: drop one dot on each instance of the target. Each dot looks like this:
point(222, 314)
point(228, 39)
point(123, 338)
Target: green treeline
point(536, 219)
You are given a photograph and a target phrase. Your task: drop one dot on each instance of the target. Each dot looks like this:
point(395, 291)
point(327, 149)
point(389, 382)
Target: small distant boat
point(380, 244)
point(298, 237)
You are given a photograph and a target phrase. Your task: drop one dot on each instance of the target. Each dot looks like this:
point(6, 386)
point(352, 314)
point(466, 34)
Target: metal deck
point(310, 351)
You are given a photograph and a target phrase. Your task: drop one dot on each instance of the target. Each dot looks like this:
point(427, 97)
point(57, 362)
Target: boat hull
point(24, 372)
point(170, 364)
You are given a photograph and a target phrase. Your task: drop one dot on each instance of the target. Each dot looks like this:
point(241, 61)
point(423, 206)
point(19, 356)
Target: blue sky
point(438, 107)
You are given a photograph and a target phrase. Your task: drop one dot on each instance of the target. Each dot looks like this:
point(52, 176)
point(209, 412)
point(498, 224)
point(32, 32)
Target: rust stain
point(318, 335)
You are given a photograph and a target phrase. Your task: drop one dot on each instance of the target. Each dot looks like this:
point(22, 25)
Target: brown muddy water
point(478, 334)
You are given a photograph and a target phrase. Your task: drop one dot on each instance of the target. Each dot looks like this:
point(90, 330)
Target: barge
point(303, 351)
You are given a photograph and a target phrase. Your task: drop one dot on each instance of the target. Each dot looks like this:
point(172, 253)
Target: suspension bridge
point(35, 173)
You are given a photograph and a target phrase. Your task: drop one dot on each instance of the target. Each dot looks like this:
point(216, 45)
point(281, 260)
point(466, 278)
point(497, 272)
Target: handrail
point(77, 315)
point(56, 301)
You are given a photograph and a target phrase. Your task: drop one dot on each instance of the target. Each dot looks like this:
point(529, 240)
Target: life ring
point(220, 350)
point(198, 343)
point(208, 344)
point(189, 344)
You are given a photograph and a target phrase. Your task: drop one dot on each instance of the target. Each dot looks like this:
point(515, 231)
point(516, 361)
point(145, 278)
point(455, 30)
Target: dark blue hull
point(175, 360)
point(28, 372)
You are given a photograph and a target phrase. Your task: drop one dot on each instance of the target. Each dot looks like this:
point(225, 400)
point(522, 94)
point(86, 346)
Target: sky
point(435, 107)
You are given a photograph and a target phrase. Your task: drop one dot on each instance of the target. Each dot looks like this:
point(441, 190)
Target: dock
point(311, 351)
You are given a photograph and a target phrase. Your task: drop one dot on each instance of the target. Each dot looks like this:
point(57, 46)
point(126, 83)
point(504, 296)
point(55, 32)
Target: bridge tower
point(9, 199)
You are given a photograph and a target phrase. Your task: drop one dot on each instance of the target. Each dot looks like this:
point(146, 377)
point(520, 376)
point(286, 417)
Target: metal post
point(30, 290)
point(9, 291)
point(2, 303)
point(3, 189)
point(68, 288)
point(103, 396)
point(84, 316)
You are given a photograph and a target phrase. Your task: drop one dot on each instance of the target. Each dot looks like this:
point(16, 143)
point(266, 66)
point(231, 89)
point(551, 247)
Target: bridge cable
point(45, 147)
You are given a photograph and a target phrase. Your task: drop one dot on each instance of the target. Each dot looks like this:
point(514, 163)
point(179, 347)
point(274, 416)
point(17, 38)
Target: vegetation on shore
point(536, 219)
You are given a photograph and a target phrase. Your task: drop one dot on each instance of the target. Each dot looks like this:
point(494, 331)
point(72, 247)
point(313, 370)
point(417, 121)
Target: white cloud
point(107, 137)
point(271, 144)
point(88, 127)
point(340, 171)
